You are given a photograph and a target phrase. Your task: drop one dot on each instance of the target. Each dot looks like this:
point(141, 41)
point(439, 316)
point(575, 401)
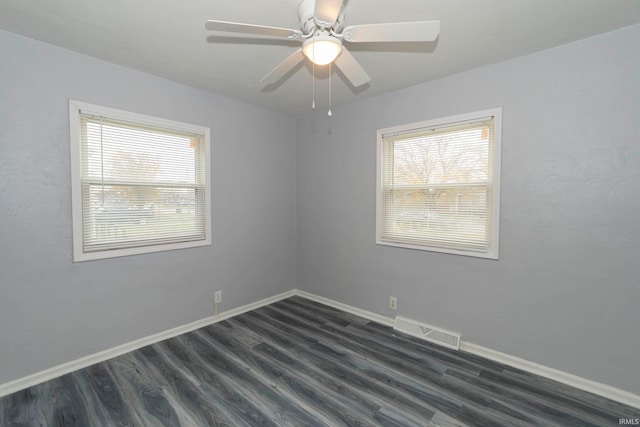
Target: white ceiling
point(167, 38)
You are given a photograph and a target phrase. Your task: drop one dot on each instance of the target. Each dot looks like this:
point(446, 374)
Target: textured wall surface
point(52, 310)
point(566, 289)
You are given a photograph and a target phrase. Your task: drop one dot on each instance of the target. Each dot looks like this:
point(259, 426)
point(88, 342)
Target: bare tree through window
point(437, 185)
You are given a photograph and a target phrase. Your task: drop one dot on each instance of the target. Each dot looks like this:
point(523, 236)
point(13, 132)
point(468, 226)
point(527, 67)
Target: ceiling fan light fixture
point(322, 49)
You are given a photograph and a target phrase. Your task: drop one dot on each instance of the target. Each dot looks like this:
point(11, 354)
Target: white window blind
point(438, 185)
point(142, 184)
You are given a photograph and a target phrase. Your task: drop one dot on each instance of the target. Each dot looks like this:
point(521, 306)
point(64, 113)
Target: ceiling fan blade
point(259, 30)
point(283, 68)
point(327, 11)
point(351, 68)
point(420, 31)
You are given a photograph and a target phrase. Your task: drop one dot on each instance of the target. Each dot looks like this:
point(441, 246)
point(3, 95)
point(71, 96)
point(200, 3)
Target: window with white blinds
point(140, 183)
point(439, 185)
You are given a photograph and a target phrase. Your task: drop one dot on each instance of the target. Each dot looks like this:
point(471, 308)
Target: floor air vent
point(427, 332)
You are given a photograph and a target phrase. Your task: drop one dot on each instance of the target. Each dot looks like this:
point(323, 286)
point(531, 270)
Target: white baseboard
point(600, 389)
point(83, 362)
point(581, 383)
point(388, 321)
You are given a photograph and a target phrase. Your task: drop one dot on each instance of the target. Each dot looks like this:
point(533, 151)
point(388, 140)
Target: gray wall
point(52, 310)
point(564, 293)
point(566, 289)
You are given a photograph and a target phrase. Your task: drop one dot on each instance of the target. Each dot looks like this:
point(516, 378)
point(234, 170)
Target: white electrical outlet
point(217, 297)
point(393, 303)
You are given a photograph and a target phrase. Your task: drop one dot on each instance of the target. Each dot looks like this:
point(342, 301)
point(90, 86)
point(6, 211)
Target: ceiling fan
point(322, 34)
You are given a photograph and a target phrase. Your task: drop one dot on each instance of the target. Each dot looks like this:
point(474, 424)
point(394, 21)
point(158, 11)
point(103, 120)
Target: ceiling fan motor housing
point(308, 22)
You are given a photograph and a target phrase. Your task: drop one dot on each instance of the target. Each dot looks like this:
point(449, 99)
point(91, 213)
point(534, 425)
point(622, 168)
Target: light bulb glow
point(322, 49)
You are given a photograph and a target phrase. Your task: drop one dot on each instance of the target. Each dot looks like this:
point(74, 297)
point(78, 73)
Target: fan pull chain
point(313, 85)
point(329, 112)
point(102, 160)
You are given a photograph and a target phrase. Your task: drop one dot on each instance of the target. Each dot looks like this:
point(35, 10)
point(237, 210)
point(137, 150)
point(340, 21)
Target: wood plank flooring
point(300, 363)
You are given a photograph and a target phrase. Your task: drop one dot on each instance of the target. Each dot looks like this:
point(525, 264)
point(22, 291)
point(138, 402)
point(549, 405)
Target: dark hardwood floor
point(299, 363)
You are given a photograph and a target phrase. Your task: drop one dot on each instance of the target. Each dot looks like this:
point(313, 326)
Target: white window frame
point(492, 251)
point(75, 109)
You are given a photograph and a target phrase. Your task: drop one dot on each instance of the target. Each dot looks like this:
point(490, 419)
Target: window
point(140, 184)
point(438, 185)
